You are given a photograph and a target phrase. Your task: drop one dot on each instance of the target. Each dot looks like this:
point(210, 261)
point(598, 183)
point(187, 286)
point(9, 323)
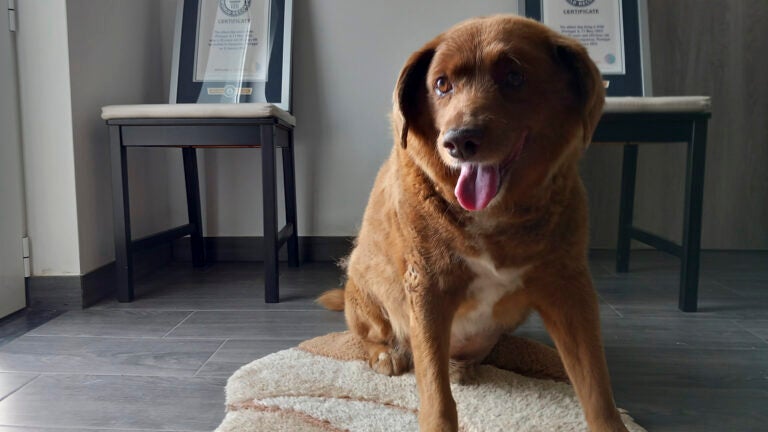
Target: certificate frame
point(274, 88)
point(636, 80)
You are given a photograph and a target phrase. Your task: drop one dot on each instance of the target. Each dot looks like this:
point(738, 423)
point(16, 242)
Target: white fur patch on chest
point(488, 287)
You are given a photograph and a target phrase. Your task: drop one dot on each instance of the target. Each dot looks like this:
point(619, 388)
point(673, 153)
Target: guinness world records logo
point(580, 3)
point(235, 8)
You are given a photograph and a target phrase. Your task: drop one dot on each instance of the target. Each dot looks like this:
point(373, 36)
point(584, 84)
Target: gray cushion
point(244, 110)
point(665, 104)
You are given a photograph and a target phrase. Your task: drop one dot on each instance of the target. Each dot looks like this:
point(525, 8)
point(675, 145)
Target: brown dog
point(479, 215)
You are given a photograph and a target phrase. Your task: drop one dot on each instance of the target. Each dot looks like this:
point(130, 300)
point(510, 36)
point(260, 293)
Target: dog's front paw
point(390, 361)
point(610, 423)
point(615, 427)
point(445, 420)
point(462, 373)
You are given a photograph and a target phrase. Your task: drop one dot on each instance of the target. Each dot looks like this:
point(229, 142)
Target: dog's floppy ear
point(411, 93)
point(586, 82)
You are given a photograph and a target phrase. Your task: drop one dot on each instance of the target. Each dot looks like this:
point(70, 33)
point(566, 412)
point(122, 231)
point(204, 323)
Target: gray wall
point(347, 55)
point(90, 54)
point(46, 132)
point(718, 48)
point(714, 48)
point(119, 53)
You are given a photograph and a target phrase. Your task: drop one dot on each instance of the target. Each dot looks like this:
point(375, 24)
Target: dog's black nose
point(462, 143)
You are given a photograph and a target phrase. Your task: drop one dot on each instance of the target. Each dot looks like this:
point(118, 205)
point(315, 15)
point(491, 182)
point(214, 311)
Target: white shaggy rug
point(301, 390)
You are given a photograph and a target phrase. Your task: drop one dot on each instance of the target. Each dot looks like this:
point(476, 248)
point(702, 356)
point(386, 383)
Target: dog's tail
point(332, 300)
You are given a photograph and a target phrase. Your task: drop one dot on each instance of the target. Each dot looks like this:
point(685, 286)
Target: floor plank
point(127, 402)
point(671, 409)
point(190, 329)
point(128, 323)
point(79, 429)
point(22, 322)
point(98, 355)
point(11, 382)
point(236, 353)
point(271, 324)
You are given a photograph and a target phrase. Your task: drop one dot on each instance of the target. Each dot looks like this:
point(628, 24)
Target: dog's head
point(496, 104)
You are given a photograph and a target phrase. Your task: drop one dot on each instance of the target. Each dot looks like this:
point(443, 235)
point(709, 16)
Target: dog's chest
point(487, 287)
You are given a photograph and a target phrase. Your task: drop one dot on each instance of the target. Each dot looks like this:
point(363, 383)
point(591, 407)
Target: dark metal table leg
point(694, 194)
point(193, 206)
point(289, 179)
point(121, 216)
point(269, 185)
point(626, 207)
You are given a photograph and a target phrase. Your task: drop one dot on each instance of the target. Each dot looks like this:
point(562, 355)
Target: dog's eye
point(443, 86)
point(514, 79)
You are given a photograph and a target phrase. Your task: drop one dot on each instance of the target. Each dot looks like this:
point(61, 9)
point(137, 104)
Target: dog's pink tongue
point(477, 185)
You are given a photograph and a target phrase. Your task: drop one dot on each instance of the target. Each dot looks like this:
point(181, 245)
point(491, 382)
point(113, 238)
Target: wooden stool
point(636, 120)
point(192, 126)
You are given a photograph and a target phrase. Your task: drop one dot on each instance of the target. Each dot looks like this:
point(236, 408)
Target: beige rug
point(323, 385)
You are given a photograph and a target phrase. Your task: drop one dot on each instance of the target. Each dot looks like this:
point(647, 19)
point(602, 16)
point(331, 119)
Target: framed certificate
point(596, 24)
point(233, 51)
point(614, 33)
point(232, 41)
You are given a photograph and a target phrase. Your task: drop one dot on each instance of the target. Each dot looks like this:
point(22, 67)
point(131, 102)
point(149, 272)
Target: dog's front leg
point(568, 306)
point(430, 328)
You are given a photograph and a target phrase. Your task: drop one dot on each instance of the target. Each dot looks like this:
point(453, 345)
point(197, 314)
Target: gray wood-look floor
point(161, 362)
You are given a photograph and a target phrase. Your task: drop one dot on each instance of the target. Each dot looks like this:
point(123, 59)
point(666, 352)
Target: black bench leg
point(626, 207)
point(694, 194)
point(269, 185)
point(193, 206)
point(121, 216)
point(289, 179)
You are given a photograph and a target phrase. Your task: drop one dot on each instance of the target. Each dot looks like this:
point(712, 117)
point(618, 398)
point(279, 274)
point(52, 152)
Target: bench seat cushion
point(244, 110)
point(664, 104)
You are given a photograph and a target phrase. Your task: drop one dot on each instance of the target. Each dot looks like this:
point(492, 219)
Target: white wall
point(12, 216)
point(119, 54)
point(90, 54)
point(347, 55)
point(77, 55)
point(46, 128)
